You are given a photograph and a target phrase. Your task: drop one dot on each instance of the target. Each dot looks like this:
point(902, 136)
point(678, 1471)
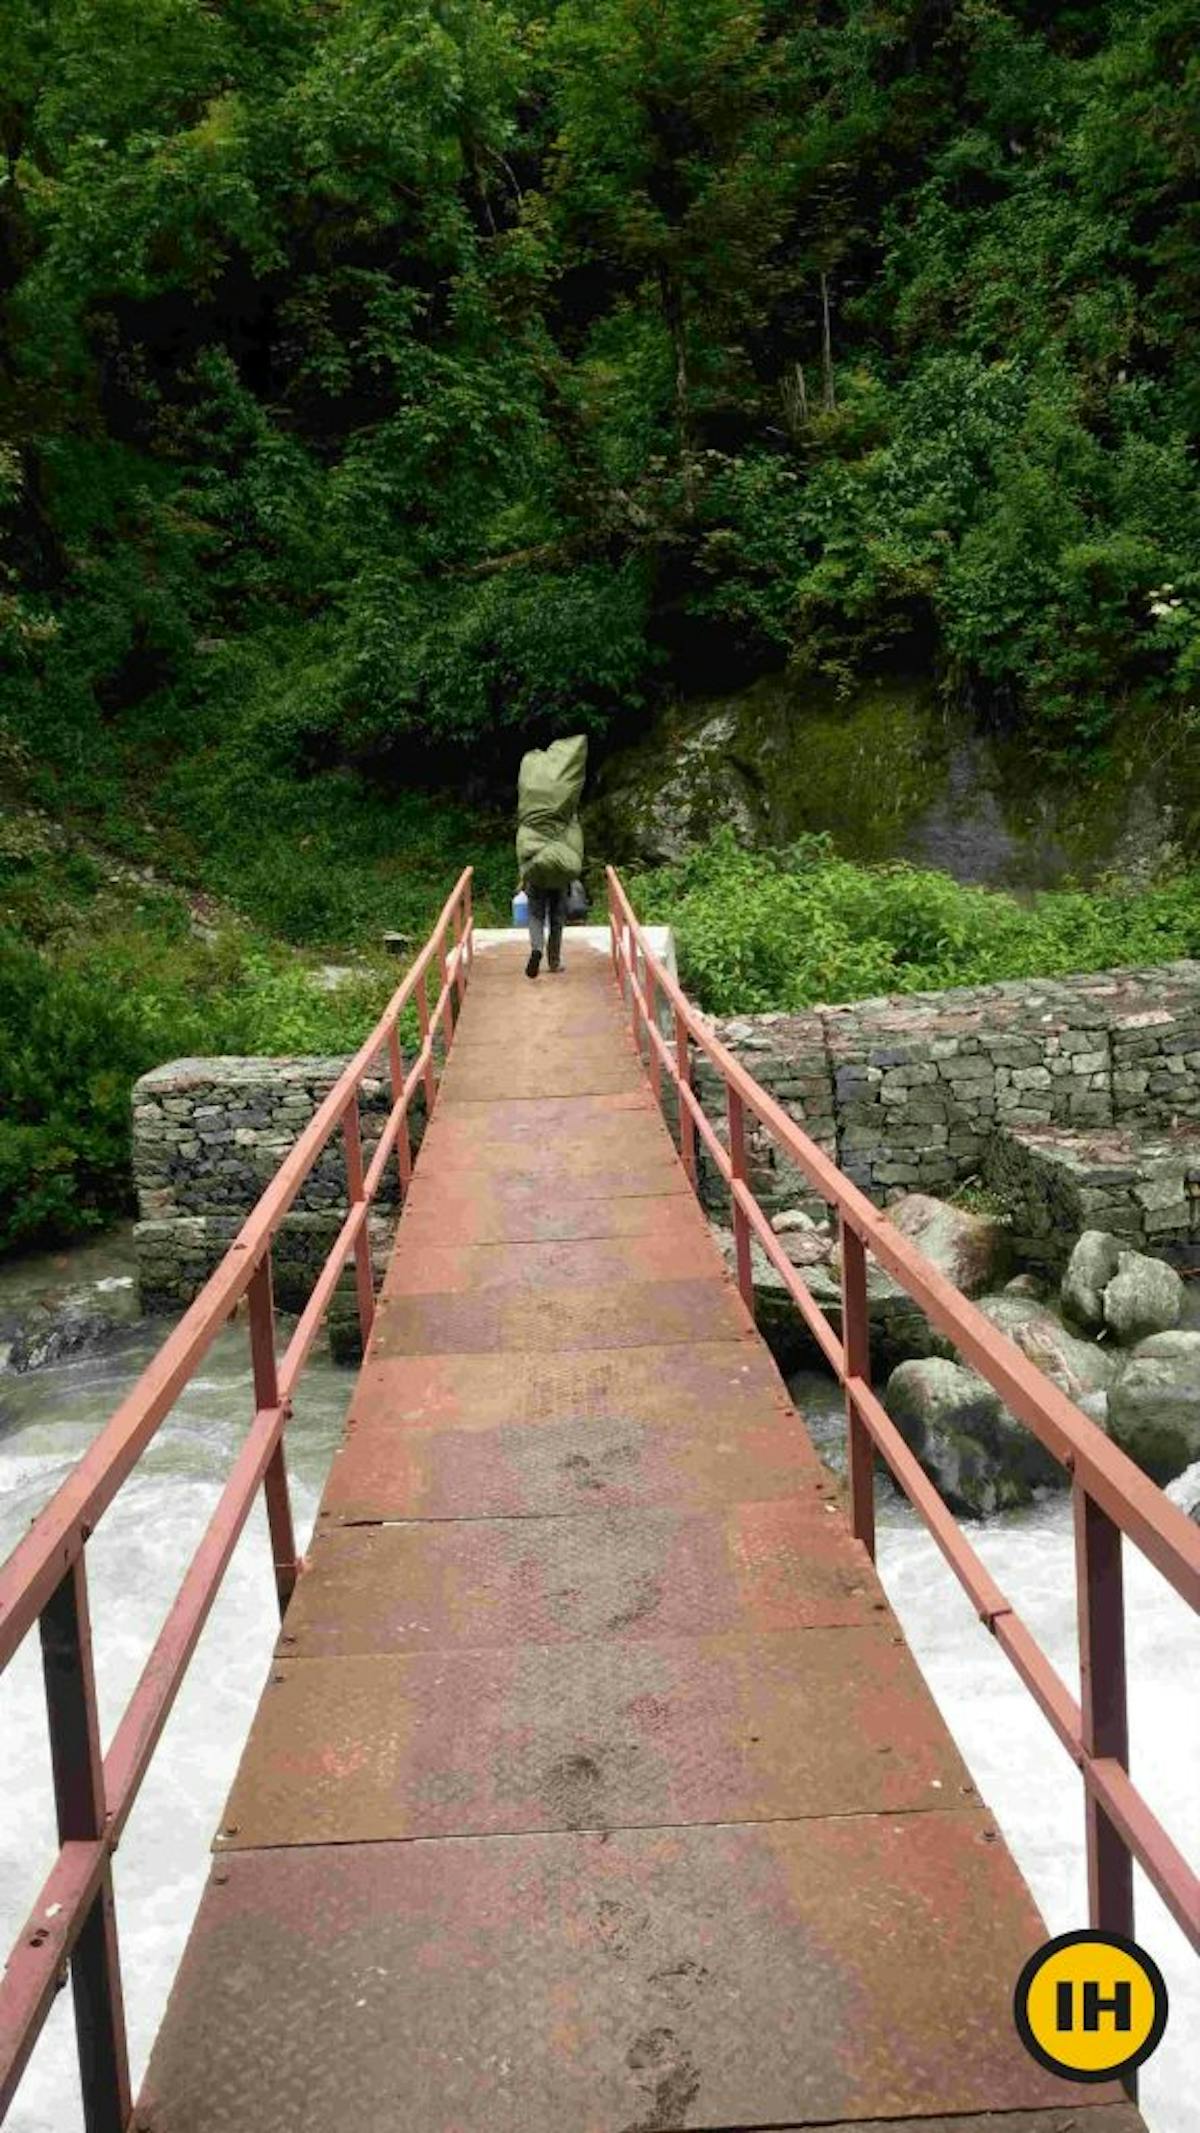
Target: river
point(142, 1547)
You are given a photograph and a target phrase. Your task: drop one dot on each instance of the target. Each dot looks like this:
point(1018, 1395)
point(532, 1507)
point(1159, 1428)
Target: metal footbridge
point(593, 1788)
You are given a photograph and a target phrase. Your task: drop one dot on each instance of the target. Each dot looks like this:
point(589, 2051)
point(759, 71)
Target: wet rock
point(898, 1327)
point(789, 1219)
point(1076, 1366)
point(1154, 1410)
point(981, 1459)
point(970, 1250)
point(72, 1325)
point(1095, 1406)
point(1180, 1346)
point(1025, 1285)
point(1090, 1268)
point(1145, 1297)
point(1010, 1309)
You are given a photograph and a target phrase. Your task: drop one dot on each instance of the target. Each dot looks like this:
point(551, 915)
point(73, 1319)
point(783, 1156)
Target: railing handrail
point(43, 1581)
point(1113, 1497)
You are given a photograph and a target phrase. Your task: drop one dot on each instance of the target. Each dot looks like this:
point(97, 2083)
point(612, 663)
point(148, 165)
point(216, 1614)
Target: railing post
point(856, 1346)
point(460, 973)
point(430, 1077)
point(687, 1124)
point(654, 1063)
point(364, 1279)
point(741, 1227)
point(261, 1299)
point(79, 1798)
point(1100, 1588)
point(403, 1142)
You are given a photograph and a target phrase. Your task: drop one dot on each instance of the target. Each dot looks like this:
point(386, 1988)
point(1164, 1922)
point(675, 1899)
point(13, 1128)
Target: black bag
point(577, 903)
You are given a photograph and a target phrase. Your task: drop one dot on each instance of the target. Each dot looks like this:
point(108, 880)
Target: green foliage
point(382, 388)
point(84, 1021)
point(760, 931)
point(486, 344)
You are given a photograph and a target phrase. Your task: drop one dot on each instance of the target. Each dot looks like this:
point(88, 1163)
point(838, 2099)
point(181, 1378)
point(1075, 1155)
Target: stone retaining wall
point(910, 1091)
point(1139, 1184)
point(208, 1135)
point(909, 1094)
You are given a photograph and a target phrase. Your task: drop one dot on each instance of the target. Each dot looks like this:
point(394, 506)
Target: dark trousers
point(546, 911)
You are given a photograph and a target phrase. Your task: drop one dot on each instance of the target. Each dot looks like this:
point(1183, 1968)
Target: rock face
point(1145, 1297)
point(1154, 1406)
point(980, 1458)
point(1090, 1268)
point(72, 1324)
point(971, 1250)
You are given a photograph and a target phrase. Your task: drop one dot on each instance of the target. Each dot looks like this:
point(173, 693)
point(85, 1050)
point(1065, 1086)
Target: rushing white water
point(138, 1556)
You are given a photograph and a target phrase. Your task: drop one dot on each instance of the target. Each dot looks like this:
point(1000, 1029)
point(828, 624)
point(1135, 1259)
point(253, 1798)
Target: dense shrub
point(80, 1026)
point(758, 931)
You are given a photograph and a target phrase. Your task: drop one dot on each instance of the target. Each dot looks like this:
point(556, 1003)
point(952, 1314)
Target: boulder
point(1026, 1285)
point(791, 1218)
point(1090, 1268)
point(69, 1326)
point(980, 1458)
point(970, 1250)
point(1011, 1309)
point(1146, 1296)
point(1154, 1410)
point(1076, 1366)
point(1180, 1346)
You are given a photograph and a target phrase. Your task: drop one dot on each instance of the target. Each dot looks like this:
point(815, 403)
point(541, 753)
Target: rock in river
point(981, 1459)
point(1154, 1407)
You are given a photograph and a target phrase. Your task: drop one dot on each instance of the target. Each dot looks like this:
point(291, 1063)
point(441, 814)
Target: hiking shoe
point(534, 964)
point(555, 966)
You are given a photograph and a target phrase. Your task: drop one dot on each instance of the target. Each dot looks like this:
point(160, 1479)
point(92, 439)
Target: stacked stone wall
point(907, 1094)
point(1137, 1183)
point(208, 1136)
point(910, 1092)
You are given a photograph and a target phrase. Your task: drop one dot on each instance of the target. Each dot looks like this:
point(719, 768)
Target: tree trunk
point(830, 400)
point(672, 304)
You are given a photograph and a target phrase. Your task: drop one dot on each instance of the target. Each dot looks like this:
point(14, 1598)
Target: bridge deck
point(594, 1788)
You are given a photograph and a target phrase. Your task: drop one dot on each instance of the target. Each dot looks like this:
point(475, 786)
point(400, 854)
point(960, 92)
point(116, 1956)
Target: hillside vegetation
point(387, 383)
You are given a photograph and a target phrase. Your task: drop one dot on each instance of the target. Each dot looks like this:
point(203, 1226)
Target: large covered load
point(549, 831)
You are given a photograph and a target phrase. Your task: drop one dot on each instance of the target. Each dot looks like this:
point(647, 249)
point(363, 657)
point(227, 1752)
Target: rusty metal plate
point(591, 1736)
point(576, 1464)
point(704, 1388)
point(456, 1208)
point(765, 1974)
point(627, 1314)
point(431, 1584)
point(1101, 2118)
point(459, 1139)
point(503, 1436)
point(687, 1253)
point(535, 1034)
point(521, 1119)
point(583, 1070)
point(513, 1003)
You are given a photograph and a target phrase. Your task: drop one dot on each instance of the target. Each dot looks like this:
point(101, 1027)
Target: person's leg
point(555, 906)
point(537, 930)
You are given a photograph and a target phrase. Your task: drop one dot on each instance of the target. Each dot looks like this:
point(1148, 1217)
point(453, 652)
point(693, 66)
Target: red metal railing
point(1112, 1497)
point(45, 1579)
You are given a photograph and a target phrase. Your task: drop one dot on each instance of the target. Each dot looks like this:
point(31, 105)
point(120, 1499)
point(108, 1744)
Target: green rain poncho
point(549, 832)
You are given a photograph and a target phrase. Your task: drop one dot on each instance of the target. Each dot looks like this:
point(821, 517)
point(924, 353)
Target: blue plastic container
point(520, 908)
